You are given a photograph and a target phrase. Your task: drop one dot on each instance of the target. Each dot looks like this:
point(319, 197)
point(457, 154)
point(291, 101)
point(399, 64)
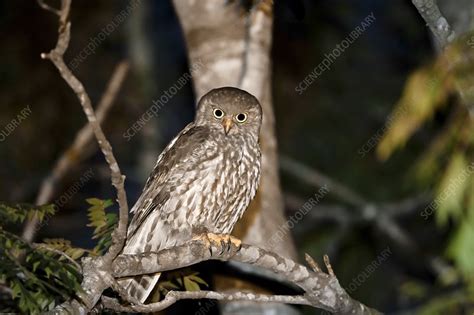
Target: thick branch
point(320, 289)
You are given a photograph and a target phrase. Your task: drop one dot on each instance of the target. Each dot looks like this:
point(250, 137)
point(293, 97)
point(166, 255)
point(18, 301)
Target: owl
point(202, 182)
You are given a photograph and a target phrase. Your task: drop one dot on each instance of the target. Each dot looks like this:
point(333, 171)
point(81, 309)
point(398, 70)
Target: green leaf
point(423, 94)
point(451, 190)
point(17, 213)
point(40, 280)
point(167, 285)
point(429, 166)
point(94, 201)
point(461, 247)
point(190, 285)
point(197, 279)
point(103, 223)
point(35, 265)
point(414, 289)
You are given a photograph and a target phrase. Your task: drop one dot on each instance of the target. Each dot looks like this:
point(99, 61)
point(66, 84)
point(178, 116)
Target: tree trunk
point(234, 46)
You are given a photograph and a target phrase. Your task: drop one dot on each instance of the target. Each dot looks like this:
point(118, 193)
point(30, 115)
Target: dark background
point(323, 128)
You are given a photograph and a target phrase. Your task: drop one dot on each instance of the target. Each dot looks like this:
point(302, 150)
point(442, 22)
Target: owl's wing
point(180, 156)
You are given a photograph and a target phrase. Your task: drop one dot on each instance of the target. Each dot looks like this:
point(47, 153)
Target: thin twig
point(437, 23)
point(312, 263)
point(56, 57)
point(327, 262)
point(76, 151)
point(47, 7)
point(383, 216)
point(4, 289)
point(60, 253)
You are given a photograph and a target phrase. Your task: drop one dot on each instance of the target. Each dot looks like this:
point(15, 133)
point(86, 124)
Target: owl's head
point(230, 110)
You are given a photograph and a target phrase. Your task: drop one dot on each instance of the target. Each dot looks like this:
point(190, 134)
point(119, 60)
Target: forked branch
point(56, 56)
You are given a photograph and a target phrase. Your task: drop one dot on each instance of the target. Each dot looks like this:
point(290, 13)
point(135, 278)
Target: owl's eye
point(241, 117)
point(218, 113)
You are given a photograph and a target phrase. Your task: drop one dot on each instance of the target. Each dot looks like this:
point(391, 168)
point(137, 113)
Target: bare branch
point(58, 252)
point(437, 23)
point(174, 296)
point(47, 7)
point(316, 178)
point(4, 289)
point(321, 290)
point(312, 263)
point(383, 216)
point(76, 151)
point(56, 56)
point(327, 263)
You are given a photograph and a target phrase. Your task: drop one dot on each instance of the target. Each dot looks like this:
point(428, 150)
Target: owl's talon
point(224, 247)
point(204, 237)
point(236, 242)
point(225, 242)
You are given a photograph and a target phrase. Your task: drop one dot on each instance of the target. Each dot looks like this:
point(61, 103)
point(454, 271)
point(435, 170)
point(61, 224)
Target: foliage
point(102, 222)
point(18, 213)
point(426, 90)
point(448, 163)
point(36, 277)
point(41, 275)
point(448, 300)
point(186, 279)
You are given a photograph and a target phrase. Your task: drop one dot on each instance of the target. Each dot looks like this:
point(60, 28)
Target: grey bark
point(447, 19)
point(320, 289)
point(439, 26)
point(459, 13)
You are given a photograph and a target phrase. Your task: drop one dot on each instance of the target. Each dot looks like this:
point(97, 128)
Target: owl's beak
point(227, 124)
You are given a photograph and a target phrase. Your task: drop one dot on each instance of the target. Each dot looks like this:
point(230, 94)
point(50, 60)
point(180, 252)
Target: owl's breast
point(223, 184)
point(235, 184)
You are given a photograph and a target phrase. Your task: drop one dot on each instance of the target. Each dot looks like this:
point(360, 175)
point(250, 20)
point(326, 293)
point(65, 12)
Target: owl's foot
point(225, 239)
point(224, 243)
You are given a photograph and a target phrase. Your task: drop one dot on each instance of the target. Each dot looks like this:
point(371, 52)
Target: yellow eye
point(218, 113)
point(241, 117)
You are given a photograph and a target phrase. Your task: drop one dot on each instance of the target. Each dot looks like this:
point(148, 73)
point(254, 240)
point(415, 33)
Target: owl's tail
point(140, 287)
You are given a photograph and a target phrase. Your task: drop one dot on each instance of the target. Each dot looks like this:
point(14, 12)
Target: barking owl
point(202, 182)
